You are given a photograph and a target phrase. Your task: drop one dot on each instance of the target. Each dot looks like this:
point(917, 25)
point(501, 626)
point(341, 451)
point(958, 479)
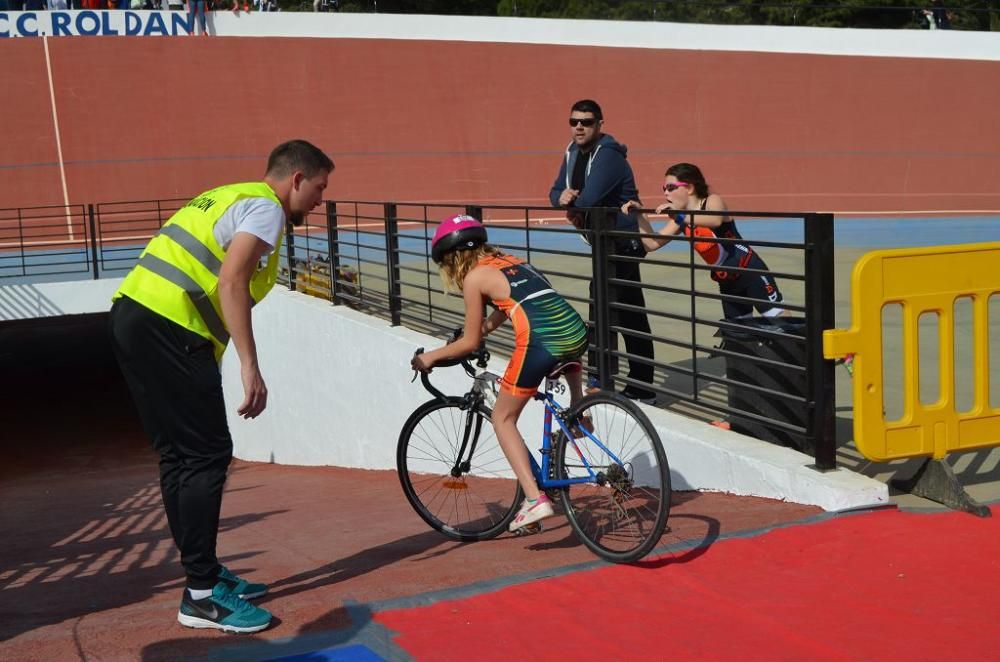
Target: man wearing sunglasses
point(595, 173)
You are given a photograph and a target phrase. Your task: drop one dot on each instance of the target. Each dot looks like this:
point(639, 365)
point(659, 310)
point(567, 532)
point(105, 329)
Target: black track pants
point(636, 321)
point(177, 387)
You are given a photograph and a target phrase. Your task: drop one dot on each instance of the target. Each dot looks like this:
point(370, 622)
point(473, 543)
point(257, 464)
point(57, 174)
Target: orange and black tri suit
point(730, 257)
point(547, 330)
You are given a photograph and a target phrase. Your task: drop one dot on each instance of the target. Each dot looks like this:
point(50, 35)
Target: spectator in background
point(595, 173)
point(937, 17)
point(196, 10)
point(58, 5)
point(176, 5)
point(686, 190)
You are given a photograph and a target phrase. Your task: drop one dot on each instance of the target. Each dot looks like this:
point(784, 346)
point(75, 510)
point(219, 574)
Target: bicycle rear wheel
point(621, 515)
point(454, 473)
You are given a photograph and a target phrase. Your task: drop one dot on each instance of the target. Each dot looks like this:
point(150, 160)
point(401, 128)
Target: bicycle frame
point(618, 519)
point(552, 410)
point(541, 473)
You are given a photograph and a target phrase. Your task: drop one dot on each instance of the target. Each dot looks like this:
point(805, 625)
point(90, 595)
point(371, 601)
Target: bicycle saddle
point(564, 367)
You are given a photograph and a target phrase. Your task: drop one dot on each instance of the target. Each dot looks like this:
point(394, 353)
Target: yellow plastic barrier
point(920, 280)
point(314, 284)
point(314, 279)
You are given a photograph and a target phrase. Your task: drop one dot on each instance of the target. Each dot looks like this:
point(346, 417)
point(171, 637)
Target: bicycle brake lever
point(420, 350)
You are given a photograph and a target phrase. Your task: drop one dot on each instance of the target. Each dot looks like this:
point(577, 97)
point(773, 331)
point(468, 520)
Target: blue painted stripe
point(355, 653)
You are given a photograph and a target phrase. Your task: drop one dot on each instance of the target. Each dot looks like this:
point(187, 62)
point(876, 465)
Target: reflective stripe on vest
point(190, 243)
point(177, 275)
point(197, 295)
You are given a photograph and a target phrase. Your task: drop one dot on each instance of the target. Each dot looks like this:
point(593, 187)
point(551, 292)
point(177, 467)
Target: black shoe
point(642, 395)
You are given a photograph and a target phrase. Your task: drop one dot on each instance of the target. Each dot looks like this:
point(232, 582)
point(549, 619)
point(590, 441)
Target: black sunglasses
point(582, 121)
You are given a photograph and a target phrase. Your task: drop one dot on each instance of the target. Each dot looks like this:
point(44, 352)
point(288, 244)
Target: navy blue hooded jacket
point(608, 182)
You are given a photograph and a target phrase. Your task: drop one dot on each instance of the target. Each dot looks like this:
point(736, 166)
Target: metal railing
point(374, 256)
point(772, 382)
point(53, 241)
point(78, 241)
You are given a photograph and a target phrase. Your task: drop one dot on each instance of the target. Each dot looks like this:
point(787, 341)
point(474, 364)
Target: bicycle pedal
point(530, 529)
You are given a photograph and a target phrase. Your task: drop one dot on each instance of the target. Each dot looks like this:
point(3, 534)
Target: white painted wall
point(339, 392)
point(950, 44)
point(30, 301)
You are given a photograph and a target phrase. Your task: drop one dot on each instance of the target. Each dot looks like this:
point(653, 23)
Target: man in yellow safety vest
point(171, 320)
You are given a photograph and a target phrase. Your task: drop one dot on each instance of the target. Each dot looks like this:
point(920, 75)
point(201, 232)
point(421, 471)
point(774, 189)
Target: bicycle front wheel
point(454, 473)
point(621, 512)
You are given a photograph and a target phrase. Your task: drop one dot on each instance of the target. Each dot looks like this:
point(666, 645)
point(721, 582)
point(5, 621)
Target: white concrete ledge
point(704, 457)
point(339, 393)
point(35, 300)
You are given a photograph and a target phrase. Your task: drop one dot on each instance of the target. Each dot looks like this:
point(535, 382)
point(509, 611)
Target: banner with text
point(89, 23)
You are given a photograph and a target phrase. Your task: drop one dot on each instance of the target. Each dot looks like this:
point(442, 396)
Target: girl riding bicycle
point(547, 331)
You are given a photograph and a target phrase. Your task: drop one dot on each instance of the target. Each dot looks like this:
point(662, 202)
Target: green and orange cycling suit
point(547, 330)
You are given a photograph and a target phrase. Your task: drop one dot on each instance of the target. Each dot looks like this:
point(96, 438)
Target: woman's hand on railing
point(631, 205)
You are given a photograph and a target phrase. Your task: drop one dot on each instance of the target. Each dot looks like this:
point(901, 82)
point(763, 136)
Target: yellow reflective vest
point(177, 274)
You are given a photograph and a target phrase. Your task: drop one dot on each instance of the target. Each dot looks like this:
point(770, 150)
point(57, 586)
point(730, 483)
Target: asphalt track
point(87, 570)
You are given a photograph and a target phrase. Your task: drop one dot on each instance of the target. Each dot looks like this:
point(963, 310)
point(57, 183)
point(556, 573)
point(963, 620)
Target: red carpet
point(881, 585)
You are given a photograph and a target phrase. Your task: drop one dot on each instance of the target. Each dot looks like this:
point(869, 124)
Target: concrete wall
point(31, 301)
point(339, 392)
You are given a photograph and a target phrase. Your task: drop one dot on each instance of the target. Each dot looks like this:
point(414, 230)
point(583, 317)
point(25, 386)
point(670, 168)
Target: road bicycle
point(602, 460)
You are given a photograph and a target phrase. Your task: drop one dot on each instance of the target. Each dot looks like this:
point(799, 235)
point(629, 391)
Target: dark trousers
point(177, 387)
point(636, 321)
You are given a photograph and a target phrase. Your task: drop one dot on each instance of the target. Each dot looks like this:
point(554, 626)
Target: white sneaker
point(532, 512)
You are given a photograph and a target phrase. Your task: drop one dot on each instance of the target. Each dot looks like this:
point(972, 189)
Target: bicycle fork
point(470, 438)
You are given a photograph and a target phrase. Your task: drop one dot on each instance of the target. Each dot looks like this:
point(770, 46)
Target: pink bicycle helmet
point(456, 232)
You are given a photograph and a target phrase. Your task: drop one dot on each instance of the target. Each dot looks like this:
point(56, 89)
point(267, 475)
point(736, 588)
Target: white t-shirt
point(263, 218)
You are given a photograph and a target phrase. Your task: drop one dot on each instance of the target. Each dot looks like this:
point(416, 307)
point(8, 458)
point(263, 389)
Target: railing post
point(333, 246)
point(290, 251)
point(820, 316)
point(92, 226)
point(603, 248)
point(20, 242)
point(392, 263)
point(475, 212)
point(695, 391)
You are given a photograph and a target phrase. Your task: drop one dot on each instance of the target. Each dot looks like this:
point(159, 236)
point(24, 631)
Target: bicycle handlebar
point(481, 356)
point(425, 380)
